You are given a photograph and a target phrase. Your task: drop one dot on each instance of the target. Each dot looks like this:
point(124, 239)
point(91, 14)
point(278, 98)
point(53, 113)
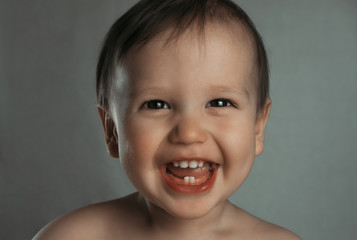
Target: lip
point(190, 189)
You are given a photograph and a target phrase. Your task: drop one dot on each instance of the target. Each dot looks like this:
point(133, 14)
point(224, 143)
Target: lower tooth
point(192, 179)
point(188, 179)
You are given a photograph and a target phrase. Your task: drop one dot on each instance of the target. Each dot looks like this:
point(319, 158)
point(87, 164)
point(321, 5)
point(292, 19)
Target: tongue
point(194, 172)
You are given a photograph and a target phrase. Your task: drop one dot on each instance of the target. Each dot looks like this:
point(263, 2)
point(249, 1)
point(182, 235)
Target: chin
point(191, 213)
point(190, 207)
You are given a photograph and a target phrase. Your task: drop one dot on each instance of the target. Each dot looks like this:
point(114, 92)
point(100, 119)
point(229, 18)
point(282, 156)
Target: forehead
point(236, 34)
point(221, 51)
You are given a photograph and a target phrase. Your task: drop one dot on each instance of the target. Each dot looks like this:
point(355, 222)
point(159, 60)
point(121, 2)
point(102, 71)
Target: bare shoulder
point(271, 231)
point(256, 228)
point(104, 220)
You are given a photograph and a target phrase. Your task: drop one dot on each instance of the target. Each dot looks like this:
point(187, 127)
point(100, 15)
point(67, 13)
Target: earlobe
point(260, 125)
point(111, 135)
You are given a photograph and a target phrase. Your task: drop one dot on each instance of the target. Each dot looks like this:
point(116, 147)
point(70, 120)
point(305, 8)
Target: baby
point(182, 89)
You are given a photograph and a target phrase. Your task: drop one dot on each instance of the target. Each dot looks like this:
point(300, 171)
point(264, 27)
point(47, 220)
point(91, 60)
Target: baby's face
point(186, 119)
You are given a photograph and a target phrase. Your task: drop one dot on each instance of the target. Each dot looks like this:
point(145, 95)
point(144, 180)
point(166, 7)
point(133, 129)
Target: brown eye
point(220, 102)
point(155, 104)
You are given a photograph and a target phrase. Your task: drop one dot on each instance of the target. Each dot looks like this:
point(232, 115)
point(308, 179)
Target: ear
point(111, 135)
point(260, 124)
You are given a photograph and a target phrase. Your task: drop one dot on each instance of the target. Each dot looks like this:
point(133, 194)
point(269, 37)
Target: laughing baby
point(183, 95)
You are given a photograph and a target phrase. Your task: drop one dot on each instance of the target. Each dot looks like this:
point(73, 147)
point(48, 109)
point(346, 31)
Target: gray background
point(52, 153)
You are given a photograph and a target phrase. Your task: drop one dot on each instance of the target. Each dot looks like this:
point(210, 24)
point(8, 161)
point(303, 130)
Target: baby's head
point(171, 19)
point(182, 88)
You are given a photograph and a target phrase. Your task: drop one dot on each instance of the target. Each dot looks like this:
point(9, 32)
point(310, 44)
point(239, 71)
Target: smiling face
point(185, 113)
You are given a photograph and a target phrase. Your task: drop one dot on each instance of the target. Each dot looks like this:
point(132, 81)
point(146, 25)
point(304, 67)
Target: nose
point(188, 129)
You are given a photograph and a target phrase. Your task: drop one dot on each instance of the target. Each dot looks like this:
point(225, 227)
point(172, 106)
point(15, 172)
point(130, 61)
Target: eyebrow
point(150, 90)
point(214, 88)
point(232, 90)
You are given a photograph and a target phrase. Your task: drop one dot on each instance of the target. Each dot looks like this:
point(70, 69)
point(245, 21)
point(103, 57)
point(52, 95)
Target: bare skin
point(130, 218)
point(185, 100)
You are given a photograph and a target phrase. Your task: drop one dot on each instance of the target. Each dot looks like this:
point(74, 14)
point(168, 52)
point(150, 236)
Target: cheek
point(137, 147)
point(238, 147)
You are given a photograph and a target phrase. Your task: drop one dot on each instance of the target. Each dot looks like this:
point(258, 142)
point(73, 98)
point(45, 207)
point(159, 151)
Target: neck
point(163, 222)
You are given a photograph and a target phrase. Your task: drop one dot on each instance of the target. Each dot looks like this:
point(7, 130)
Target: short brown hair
point(148, 18)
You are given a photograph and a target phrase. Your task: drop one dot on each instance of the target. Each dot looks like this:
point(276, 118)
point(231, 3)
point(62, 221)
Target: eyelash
point(221, 102)
point(160, 104)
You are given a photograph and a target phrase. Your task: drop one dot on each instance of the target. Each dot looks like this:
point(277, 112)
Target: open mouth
point(193, 176)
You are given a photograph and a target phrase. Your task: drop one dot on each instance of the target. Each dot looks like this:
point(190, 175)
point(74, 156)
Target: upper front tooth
point(183, 164)
point(176, 164)
point(193, 164)
point(200, 164)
